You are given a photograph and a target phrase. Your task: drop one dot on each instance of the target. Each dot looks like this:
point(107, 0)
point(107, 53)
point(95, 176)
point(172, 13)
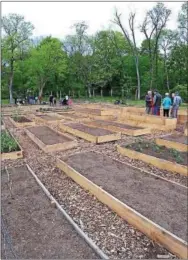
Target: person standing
point(51, 100)
point(54, 101)
point(148, 100)
point(166, 105)
point(157, 103)
point(172, 101)
point(175, 106)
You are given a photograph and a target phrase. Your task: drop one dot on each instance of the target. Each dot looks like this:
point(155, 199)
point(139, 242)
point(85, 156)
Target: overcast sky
point(56, 18)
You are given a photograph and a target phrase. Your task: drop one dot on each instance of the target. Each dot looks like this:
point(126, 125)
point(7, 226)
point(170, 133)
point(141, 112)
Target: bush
point(182, 89)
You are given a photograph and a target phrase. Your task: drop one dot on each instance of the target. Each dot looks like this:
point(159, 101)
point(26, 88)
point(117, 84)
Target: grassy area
point(97, 99)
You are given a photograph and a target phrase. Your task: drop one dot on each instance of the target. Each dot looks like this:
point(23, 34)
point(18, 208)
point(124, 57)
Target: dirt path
point(112, 234)
point(37, 229)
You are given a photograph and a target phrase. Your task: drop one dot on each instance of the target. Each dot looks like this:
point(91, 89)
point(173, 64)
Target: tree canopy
point(108, 62)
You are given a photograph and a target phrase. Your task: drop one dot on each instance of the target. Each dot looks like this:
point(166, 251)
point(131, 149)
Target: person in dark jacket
point(148, 100)
point(157, 102)
point(51, 100)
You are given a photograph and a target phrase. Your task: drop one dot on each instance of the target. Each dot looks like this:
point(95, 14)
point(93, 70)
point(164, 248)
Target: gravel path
point(36, 228)
point(112, 234)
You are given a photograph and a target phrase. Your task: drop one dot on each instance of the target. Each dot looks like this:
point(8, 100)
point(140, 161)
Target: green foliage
point(8, 144)
point(182, 89)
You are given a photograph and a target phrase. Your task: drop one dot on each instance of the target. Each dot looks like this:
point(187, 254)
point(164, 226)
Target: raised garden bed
point(154, 121)
point(49, 140)
point(36, 229)
point(45, 119)
point(175, 141)
point(2, 125)
point(119, 127)
point(159, 156)
point(21, 121)
point(73, 116)
point(10, 148)
point(152, 204)
point(91, 134)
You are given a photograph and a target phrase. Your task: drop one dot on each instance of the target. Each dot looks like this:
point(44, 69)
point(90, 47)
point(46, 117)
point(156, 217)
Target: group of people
point(170, 103)
point(66, 101)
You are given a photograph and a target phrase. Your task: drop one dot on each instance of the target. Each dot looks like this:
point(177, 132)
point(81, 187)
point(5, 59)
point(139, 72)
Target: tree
point(132, 43)
point(46, 62)
point(167, 41)
point(16, 33)
point(183, 22)
point(152, 26)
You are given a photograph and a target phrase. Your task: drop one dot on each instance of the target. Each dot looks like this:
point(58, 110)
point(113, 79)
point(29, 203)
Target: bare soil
point(37, 229)
point(71, 115)
point(90, 111)
point(123, 126)
point(49, 118)
point(160, 152)
point(177, 138)
point(90, 130)
point(47, 135)
point(167, 202)
point(21, 119)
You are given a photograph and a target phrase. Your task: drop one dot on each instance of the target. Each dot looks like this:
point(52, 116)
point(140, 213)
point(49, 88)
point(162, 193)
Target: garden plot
point(137, 196)
point(21, 121)
point(175, 141)
point(160, 156)
point(36, 229)
point(45, 119)
point(120, 128)
point(155, 122)
point(91, 134)
point(73, 116)
point(49, 140)
point(10, 148)
point(97, 113)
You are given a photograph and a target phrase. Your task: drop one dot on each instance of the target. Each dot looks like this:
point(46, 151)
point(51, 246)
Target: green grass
point(8, 144)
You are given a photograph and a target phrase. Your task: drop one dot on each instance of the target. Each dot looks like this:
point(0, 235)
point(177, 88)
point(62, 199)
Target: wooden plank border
point(89, 137)
point(13, 155)
point(157, 233)
point(117, 129)
point(172, 144)
point(21, 125)
point(159, 163)
point(54, 147)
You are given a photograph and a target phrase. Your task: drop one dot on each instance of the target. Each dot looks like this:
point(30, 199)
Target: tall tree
point(132, 43)
point(152, 26)
point(167, 41)
point(16, 33)
point(183, 22)
point(46, 62)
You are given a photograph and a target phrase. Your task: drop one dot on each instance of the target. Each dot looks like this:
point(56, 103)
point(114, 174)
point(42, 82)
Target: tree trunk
point(10, 88)
point(89, 91)
point(111, 92)
point(79, 93)
point(101, 92)
point(60, 94)
point(93, 92)
point(138, 78)
point(122, 92)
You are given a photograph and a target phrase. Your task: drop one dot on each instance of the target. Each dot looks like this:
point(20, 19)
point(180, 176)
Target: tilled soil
point(21, 119)
point(123, 126)
point(47, 135)
point(91, 111)
point(37, 229)
point(48, 118)
point(70, 115)
point(176, 138)
point(162, 152)
point(90, 130)
point(137, 190)
point(111, 233)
